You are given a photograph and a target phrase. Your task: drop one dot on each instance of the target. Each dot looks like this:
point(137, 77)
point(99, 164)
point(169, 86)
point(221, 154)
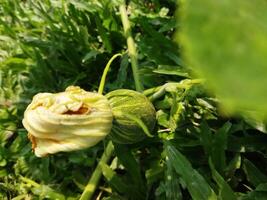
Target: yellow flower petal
point(67, 121)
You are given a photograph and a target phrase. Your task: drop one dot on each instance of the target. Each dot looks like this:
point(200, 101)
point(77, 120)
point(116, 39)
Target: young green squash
point(134, 116)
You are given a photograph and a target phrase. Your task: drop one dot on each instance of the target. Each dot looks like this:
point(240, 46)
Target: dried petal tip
point(67, 121)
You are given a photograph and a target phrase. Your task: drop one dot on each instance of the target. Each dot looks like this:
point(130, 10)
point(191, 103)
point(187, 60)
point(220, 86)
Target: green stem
point(95, 178)
point(104, 75)
point(29, 181)
point(157, 92)
point(131, 47)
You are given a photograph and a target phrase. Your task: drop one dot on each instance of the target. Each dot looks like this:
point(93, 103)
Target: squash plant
point(76, 119)
point(195, 152)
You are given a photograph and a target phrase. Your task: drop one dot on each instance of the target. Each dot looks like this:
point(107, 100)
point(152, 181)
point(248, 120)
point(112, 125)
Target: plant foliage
point(195, 152)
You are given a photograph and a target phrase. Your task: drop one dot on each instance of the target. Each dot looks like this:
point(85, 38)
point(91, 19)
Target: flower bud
point(67, 121)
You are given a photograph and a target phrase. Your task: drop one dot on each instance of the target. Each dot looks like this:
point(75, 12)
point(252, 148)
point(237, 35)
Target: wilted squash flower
point(134, 116)
point(67, 121)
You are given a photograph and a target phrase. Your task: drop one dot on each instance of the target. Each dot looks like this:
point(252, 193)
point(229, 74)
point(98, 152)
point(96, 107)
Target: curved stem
point(104, 75)
point(131, 47)
point(95, 178)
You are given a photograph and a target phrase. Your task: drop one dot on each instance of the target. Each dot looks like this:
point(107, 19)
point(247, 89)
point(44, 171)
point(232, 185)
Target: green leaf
point(44, 191)
point(260, 193)
point(233, 165)
point(103, 34)
point(172, 70)
point(247, 143)
point(127, 159)
point(228, 46)
point(3, 173)
point(206, 138)
point(172, 183)
point(122, 74)
point(114, 197)
point(197, 186)
point(219, 145)
point(254, 175)
point(121, 186)
point(90, 55)
point(113, 179)
point(176, 113)
point(225, 191)
point(162, 118)
point(216, 144)
point(85, 6)
point(154, 173)
point(157, 47)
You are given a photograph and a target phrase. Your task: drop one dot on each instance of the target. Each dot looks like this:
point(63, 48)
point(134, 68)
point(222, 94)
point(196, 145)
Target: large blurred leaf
point(226, 43)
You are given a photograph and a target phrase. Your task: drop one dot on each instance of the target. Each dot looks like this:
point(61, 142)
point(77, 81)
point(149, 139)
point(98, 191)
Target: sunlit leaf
point(225, 42)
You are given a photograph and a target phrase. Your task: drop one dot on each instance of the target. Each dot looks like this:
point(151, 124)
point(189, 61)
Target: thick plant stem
point(95, 178)
point(131, 47)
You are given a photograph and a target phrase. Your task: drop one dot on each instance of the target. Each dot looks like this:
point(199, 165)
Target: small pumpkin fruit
point(134, 116)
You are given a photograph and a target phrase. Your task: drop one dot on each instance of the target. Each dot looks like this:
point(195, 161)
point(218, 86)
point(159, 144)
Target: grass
point(196, 152)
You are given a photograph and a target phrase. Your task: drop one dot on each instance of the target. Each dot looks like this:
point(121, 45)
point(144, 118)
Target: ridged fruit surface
point(126, 105)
